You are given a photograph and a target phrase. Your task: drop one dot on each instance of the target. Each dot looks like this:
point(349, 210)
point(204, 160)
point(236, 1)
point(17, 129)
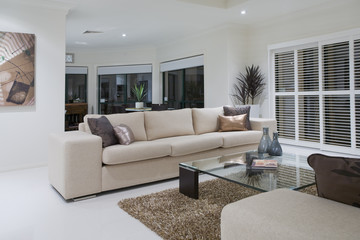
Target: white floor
point(30, 209)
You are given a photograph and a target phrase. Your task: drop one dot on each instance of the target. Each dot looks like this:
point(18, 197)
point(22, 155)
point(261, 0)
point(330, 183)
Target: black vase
point(275, 148)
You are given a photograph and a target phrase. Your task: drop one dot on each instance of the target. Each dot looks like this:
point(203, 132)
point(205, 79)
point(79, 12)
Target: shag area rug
point(172, 215)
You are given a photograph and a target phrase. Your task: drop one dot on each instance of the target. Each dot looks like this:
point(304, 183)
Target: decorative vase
point(275, 148)
point(139, 104)
point(265, 142)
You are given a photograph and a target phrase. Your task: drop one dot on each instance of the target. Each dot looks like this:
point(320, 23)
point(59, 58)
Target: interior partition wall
point(116, 84)
point(183, 82)
point(315, 90)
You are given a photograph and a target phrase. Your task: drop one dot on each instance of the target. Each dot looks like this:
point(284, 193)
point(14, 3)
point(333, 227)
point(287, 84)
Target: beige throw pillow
point(232, 123)
point(124, 134)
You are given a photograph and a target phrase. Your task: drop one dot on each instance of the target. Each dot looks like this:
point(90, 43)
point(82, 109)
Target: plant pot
point(139, 105)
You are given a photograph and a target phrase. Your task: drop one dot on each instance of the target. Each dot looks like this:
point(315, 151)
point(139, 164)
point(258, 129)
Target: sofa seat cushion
point(136, 151)
point(162, 124)
point(238, 138)
point(184, 145)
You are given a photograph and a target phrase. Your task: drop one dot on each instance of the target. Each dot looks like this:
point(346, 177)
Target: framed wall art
point(17, 69)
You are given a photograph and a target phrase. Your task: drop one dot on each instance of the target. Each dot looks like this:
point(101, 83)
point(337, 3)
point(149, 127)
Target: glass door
point(115, 91)
point(184, 88)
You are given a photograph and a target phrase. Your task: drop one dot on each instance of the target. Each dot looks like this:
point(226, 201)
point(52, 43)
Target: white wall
point(224, 55)
point(300, 25)
point(24, 130)
point(112, 57)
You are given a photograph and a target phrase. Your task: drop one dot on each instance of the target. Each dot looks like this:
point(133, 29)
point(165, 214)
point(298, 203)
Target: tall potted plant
point(248, 86)
point(140, 93)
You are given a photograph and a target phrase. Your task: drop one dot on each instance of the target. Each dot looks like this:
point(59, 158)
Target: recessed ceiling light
point(243, 12)
point(123, 35)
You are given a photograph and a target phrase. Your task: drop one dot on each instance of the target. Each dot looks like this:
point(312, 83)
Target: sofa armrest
point(75, 163)
point(259, 123)
point(82, 127)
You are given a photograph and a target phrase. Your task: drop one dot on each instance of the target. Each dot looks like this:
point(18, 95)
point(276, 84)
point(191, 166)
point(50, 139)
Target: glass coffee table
point(292, 172)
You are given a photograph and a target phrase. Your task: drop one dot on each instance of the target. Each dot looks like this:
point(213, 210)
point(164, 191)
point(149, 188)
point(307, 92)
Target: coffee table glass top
point(292, 172)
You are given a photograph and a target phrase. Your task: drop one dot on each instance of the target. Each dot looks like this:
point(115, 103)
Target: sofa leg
point(84, 198)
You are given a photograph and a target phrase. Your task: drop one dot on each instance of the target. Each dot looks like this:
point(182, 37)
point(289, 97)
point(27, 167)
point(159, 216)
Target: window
point(76, 84)
point(116, 84)
point(183, 83)
point(317, 94)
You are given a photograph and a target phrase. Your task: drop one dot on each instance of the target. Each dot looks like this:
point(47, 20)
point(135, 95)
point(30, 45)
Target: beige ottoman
point(288, 214)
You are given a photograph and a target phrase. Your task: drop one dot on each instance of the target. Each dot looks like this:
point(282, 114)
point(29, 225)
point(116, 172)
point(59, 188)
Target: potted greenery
point(248, 86)
point(140, 93)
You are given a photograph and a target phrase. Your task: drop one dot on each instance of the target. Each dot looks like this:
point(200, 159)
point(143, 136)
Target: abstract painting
point(17, 69)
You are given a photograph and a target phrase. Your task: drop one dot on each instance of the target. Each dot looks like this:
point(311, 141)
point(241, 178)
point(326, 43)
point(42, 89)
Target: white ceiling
point(157, 22)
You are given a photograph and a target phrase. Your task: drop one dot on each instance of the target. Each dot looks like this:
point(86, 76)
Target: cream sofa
point(79, 166)
point(287, 214)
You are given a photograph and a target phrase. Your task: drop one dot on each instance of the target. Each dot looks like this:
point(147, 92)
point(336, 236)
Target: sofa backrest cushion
point(206, 119)
point(135, 121)
point(233, 111)
point(337, 178)
point(161, 124)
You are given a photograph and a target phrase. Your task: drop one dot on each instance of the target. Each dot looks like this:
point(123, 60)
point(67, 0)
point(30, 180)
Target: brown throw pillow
point(337, 178)
point(103, 128)
point(232, 123)
point(124, 134)
point(233, 111)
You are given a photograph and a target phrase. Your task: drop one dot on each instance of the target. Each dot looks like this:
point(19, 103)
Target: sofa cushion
point(232, 123)
point(124, 134)
point(137, 151)
point(206, 119)
point(161, 124)
point(184, 145)
point(238, 138)
point(288, 214)
point(134, 120)
point(232, 111)
point(337, 178)
point(102, 127)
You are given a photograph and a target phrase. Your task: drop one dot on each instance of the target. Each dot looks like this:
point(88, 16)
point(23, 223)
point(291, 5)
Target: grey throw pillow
point(233, 111)
point(124, 134)
point(103, 128)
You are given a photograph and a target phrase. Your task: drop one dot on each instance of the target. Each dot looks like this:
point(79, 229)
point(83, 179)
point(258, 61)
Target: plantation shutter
point(308, 69)
point(284, 72)
point(357, 117)
point(285, 105)
point(336, 77)
point(357, 63)
point(285, 116)
point(336, 66)
point(357, 87)
point(308, 103)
